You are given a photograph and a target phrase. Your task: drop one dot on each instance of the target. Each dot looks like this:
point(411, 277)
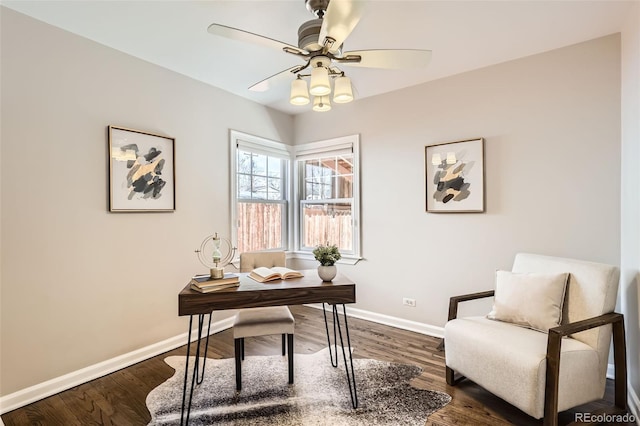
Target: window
point(328, 195)
point(322, 208)
point(260, 192)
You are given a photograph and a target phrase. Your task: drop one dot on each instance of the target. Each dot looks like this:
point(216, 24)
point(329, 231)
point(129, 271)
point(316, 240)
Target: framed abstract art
point(141, 171)
point(455, 177)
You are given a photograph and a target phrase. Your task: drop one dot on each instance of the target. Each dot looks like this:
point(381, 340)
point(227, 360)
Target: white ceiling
point(463, 35)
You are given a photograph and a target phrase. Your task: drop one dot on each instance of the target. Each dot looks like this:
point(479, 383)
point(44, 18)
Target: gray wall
point(551, 124)
point(630, 262)
point(79, 284)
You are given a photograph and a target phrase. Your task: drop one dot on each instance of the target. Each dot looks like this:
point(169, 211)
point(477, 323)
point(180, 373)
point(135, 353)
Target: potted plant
point(327, 255)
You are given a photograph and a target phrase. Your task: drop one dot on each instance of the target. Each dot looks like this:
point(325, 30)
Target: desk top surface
point(252, 294)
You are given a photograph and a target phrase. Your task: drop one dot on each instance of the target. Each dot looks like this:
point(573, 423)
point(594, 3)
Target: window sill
point(345, 260)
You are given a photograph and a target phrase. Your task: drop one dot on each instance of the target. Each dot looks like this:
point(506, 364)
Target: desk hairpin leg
point(196, 378)
point(206, 349)
point(351, 378)
point(326, 326)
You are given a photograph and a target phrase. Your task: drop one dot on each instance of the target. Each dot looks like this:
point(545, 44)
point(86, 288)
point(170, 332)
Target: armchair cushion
point(529, 299)
point(510, 362)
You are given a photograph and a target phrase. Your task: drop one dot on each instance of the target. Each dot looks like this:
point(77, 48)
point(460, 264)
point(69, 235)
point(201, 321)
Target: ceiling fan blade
point(388, 58)
point(241, 35)
point(276, 79)
point(340, 19)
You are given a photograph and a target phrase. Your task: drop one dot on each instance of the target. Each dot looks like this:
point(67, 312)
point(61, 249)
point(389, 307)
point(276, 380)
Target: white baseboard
point(611, 371)
point(403, 324)
point(633, 401)
point(51, 387)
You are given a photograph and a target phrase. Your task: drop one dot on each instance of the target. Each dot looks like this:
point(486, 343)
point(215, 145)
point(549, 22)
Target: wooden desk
point(252, 294)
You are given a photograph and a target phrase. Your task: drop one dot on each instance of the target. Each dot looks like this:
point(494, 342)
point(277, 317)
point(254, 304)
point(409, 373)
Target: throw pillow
point(529, 299)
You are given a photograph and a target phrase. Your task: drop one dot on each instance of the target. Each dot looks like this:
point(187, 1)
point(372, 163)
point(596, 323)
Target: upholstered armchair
point(544, 347)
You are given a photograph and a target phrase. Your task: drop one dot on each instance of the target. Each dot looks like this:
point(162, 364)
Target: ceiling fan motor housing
point(309, 35)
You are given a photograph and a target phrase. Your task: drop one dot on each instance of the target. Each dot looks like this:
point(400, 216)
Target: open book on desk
point(263, 274)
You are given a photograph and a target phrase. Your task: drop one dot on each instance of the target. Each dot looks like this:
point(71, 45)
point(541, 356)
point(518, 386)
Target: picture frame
point(454, 177)
point(141, 171)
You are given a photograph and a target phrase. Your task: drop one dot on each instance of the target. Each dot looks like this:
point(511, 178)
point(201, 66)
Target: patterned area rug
point(319, 396)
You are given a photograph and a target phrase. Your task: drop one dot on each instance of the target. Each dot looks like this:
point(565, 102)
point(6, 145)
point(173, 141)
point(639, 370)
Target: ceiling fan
point(320, 43)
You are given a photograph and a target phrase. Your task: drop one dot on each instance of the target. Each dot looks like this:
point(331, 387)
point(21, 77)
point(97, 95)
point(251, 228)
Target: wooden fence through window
point(260, 227)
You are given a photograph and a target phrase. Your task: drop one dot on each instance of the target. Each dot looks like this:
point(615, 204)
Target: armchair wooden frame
point(553, 355)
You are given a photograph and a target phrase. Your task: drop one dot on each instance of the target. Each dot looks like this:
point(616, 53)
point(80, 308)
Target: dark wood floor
point(119, 398)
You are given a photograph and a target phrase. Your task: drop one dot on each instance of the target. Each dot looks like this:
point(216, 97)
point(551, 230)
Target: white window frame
point(315, 150)
point(239, 140)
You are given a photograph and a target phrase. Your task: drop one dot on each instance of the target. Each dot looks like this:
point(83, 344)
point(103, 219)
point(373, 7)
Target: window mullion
point(328, 201)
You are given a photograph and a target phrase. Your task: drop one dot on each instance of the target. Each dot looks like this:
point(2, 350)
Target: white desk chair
point(262, 321)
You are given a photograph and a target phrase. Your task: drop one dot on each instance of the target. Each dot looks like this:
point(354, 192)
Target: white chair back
point(591, 291)
point(254, 259)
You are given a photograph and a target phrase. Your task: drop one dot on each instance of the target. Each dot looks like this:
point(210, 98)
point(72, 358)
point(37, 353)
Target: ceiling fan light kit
point(321, 103)
point(320, 44)
point(299, 92)
point(342, 94)
point(342, 91)
point(320, 85)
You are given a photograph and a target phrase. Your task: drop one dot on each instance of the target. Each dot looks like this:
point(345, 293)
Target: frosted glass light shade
point(320, 85)
point(321, 103)
point(299, 93)
point(342, 92)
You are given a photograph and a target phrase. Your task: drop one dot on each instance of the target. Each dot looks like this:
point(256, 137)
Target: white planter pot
point(327, 273)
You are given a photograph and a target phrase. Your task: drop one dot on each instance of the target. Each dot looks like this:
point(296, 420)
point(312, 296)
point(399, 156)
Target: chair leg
point(290, 348)
point(238, 351)
point(450, 376)
point(284, 344)
point(620, 363)
point(242, 348)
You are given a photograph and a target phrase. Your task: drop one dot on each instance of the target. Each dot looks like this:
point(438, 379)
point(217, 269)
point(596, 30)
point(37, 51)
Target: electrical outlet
point(409, 302)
